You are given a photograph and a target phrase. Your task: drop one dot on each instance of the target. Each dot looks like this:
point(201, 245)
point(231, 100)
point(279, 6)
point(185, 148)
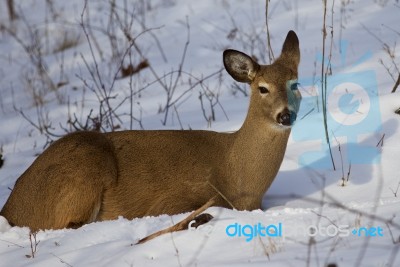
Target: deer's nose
point(287, 118)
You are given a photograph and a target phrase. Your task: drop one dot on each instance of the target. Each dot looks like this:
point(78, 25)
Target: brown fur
point(89, 176)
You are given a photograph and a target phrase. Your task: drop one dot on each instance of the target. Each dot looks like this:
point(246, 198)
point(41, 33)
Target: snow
point(302, 195)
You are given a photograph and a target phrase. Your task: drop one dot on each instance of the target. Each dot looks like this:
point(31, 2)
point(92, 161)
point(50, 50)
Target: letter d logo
point(232, 229)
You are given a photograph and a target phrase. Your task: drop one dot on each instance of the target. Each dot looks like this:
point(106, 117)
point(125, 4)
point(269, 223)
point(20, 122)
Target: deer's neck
point(255, 157)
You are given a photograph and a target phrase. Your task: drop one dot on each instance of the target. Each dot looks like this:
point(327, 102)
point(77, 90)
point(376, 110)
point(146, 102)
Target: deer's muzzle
point(287, 118)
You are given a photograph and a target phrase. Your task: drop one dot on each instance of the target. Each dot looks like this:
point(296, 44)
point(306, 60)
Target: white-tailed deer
point(90, 176)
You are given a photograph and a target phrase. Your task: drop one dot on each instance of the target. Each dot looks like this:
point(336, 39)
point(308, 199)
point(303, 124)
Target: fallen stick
point(184, 224)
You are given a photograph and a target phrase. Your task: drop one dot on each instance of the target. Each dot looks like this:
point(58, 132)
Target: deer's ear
point(290, 49)
point(240, 66)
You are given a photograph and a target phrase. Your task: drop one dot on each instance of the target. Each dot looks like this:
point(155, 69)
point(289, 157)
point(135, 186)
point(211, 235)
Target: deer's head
point(274, 94)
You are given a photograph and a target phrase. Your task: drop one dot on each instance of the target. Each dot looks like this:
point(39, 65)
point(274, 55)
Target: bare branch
point(182, 225)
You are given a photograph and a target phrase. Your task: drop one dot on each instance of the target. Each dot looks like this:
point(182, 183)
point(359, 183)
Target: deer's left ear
point(290, 49)
point(240, 66)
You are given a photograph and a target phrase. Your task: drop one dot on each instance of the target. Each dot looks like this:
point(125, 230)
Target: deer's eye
point(263, 90)
point(294, 86)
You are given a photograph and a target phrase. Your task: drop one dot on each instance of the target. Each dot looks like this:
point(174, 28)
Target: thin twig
point(12, 243)
point(61, 260)
point(324, 86)
point(396, 84)
point(348, 173)
point(171, 90)
point(341, 158)
point(381, 141)
point(270, 52)
point(182, 225)
point(397, 189)
point(178, 117)
point(222, 195)
point(34, 244)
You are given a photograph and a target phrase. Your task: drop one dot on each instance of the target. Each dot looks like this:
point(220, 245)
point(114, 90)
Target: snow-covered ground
point(356, 222)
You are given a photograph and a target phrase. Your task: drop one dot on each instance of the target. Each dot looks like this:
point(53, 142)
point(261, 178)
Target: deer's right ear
point(240, 66)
